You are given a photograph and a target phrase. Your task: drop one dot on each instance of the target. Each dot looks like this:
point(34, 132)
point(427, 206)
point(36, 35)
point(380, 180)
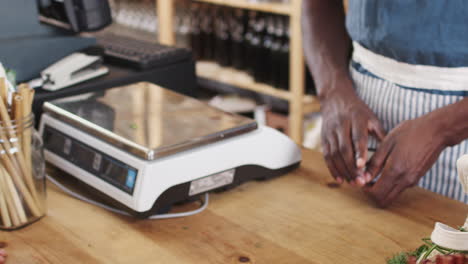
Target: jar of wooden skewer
point(22, 165)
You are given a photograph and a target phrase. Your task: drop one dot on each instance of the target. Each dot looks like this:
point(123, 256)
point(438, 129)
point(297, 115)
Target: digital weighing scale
point(148, 148)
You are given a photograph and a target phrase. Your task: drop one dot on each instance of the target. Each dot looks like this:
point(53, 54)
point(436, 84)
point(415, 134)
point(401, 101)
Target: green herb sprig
point(425, 250)
point(400, 258)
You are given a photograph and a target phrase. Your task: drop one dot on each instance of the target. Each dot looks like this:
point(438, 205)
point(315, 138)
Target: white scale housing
point(147, 147)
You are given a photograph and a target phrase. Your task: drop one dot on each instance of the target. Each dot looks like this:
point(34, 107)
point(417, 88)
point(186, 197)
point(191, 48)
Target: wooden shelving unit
point(299, 103)
point(282, 9)
point(213, 71)
point(240, 79)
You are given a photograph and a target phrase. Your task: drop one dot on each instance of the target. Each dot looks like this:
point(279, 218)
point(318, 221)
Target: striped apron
point(398, 91)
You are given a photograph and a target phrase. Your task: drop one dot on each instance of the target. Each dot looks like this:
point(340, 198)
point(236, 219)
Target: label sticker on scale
point(211, 182)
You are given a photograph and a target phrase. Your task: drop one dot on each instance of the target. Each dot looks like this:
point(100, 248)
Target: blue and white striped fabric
point(394, 103)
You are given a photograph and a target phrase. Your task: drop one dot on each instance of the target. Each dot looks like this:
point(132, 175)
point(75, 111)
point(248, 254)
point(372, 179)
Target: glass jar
point(22, 174)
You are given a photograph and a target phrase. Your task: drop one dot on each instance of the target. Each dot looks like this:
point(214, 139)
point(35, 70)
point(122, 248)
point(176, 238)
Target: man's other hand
point(403, 157)
point(347, 122)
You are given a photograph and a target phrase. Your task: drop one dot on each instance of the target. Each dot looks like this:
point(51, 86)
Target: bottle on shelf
point(182, 24)
point(222, 48)
point(251, 43)
point(264, 66)
point(195, 31)
point(257, 43)
point(237, 29)
point(276, 45)
point(207, 16)
point(284, 58)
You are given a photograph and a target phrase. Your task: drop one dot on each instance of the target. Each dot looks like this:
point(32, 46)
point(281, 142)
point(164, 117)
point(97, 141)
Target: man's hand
point(347, 122)
point(346, 119)
point(404, 156)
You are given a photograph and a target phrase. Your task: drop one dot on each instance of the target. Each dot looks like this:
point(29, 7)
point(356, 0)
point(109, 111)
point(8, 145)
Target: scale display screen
point(93, 161)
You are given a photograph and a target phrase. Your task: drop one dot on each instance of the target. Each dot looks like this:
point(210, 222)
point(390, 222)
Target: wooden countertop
point(297, 218)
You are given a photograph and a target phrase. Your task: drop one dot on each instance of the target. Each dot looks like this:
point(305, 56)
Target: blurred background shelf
point(275, 8)
point(299, 104)
point(240, 79)
point(214, 72)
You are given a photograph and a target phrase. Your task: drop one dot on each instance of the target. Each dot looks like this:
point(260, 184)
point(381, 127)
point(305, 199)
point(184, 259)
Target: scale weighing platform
point(148, 148)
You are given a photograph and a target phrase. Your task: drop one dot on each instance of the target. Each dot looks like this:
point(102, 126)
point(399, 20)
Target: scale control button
point(67, 146)
point(97, 161)
point(131, 177)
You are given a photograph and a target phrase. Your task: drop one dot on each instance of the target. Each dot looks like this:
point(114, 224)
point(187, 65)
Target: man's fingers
point(379, 192)
point(329, 162)
point(376, 128)
point(360, 137)
point(336, 159)
point(343, 169)
point(346, 152)
point(387, 188)
point(387, 195)
point(392, 195)
point(340, 178)
point(406, 180)
point(378, 160)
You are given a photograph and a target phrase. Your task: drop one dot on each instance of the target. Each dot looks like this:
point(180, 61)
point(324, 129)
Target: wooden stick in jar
point(16, 209)
point(15, 196)
point(19, 158)
point(16, 113)
point(23, 112)
point(18, 119)
point(17, 107)
point(16, 110)
point(6, 220)
point(4, 90)
point(28, 95)
point(9, 201)
point(32, 204)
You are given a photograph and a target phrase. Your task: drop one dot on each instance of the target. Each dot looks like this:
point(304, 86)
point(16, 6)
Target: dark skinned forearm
point(347, 120)
point(452, 122)
point(326, 43)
